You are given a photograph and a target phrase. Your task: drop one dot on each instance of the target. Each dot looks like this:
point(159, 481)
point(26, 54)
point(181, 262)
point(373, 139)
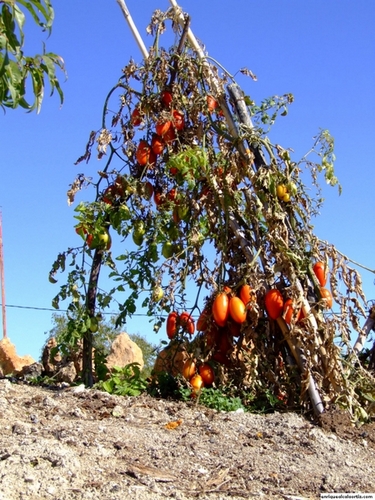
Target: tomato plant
point(205, 205)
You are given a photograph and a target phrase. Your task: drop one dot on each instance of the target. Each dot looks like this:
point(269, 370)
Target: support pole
point(133, 28)
point(2, 279)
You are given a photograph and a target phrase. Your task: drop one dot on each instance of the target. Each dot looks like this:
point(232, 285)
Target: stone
point(10, 362)
point(123, 352)
point(171, 359)
point(67, 373)
point(31, 371)
point(50, 362)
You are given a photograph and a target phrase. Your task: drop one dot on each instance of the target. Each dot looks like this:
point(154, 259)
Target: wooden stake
point(2, 279)
point(133, 28)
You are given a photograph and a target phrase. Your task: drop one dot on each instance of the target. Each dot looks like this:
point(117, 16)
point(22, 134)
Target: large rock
point(10, 362)
point(124, 351)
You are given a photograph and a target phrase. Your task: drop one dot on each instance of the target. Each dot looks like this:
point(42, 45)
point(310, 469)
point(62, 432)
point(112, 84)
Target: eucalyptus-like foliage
point(17, 69)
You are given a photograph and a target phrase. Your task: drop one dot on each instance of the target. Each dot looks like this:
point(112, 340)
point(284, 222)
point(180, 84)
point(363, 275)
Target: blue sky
point(322, 51)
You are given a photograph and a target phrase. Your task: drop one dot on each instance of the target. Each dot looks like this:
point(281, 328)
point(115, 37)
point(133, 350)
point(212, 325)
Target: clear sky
point(322, 51)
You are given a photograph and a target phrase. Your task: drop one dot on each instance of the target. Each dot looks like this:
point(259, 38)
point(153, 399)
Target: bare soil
point(86, 444)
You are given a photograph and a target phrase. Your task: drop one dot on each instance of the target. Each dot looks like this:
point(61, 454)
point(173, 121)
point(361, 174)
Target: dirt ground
point(86, 444)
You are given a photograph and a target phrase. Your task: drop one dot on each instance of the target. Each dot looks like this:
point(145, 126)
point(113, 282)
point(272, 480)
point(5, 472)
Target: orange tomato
point(162, 128)
point(237, 310)
point(172, 321)
point(274, 303)
point(247, 295)
point(207, 373)
point(197, 382)
point(288, 311)
point(157, 144)
point(220, 308)
point(326, 297)
point(320, 272)
point(188, 370)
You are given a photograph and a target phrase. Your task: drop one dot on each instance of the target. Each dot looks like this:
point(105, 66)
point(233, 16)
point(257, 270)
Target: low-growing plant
point(214, 398)
point(126, 381)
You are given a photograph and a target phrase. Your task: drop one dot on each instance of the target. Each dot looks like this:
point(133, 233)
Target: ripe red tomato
point(211, 103)
point(178, 120)
point(109, 194)
point(159, 198)
point(188, 370)
point(144, 153)
point(162, 128)
point(169, 136)
point(288, 311)
point(166, 98)
point(136, 117)
point(172, 321)
point(326, 297)
point(172, 194)
point(157, 144)
point(320, 272)
point(220, 308)
point(187, 322)
point(274, 303)
point(237, 310)
point(207, 373)
point(89, 240)
point(202, 323)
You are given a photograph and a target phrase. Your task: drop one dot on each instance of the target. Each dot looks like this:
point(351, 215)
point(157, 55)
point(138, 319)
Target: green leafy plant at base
point(214, 398)
point(126, 381)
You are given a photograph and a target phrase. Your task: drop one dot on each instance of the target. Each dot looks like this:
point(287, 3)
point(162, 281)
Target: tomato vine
point(178, 181)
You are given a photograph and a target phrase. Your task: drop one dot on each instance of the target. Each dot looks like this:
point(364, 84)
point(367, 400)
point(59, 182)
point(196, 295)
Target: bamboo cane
point(133, 28)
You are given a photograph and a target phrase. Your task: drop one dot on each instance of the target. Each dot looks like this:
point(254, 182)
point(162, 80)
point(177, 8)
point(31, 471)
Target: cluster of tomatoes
point(198, 377)
point(276, 307)
point(221, 322)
